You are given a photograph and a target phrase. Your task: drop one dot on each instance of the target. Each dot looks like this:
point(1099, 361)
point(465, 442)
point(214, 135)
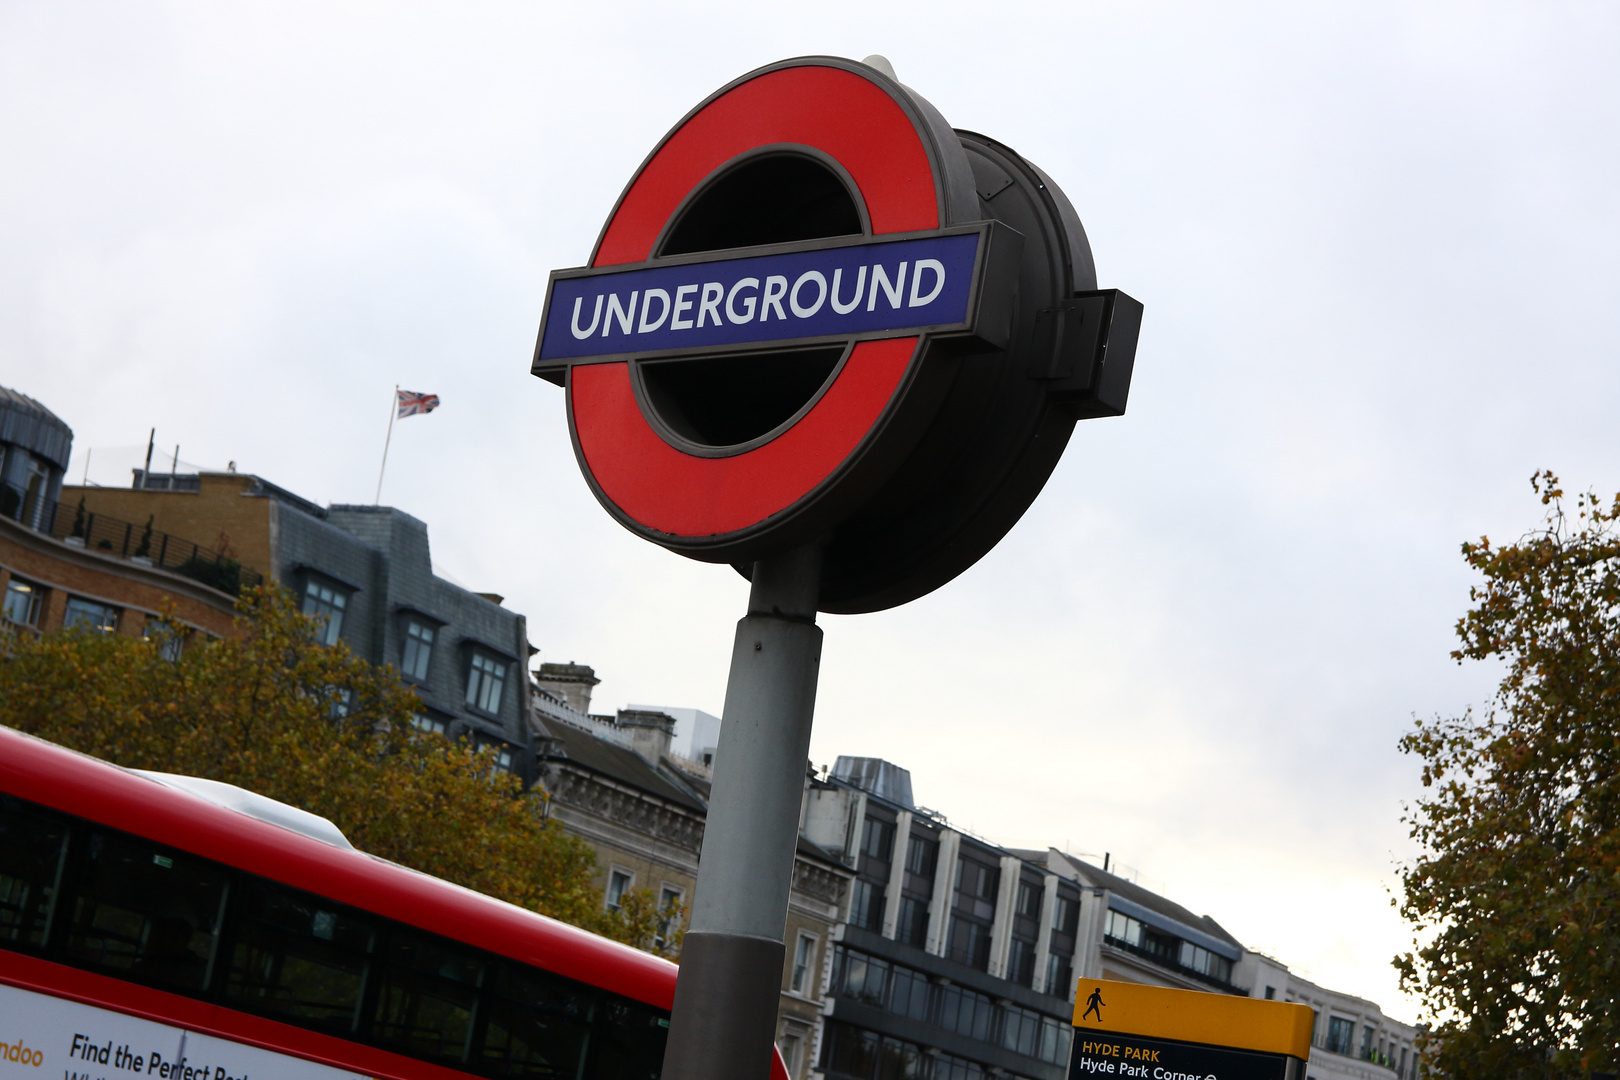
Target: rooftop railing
point(73, 524)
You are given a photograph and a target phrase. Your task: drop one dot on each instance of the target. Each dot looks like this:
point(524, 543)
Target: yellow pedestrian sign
point(1156, 1033)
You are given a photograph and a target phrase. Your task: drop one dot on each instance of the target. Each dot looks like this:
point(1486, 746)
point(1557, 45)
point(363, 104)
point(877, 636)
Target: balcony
point(140, 544)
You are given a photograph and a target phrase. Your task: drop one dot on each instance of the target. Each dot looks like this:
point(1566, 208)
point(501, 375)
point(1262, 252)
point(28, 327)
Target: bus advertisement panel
point(46, 1036)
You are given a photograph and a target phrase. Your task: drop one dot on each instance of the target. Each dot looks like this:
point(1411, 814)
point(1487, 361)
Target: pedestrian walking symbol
point(1094, 1004)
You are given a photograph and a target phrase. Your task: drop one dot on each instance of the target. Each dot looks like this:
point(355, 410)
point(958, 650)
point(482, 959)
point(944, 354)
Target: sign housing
point(820, 316)
point(1127, 1029)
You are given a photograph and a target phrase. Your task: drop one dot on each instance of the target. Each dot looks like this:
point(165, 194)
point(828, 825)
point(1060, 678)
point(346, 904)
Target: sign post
point(724, 1019)
point(831, 341)
point(1127, 1029)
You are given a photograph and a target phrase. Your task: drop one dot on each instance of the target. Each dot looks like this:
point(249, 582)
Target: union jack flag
point(411, 403)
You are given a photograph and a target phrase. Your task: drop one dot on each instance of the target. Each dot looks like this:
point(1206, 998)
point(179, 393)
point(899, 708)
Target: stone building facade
point(613, 781)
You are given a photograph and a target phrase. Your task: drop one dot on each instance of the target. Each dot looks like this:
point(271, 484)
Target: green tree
point(271, 710)
point(1515, 893)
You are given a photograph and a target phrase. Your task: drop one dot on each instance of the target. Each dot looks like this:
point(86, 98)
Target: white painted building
point(1352, 1038)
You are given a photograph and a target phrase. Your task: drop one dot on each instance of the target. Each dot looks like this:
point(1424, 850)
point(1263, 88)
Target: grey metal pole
point(723, 1025)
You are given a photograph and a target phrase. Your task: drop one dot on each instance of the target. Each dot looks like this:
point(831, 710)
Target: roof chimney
point(650, 732)
point(572, 682)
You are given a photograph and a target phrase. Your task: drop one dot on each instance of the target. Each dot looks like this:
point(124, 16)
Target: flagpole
point(393, 407)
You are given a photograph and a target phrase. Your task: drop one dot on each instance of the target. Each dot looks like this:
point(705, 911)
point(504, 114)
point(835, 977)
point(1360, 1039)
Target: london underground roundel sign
point(819, 315)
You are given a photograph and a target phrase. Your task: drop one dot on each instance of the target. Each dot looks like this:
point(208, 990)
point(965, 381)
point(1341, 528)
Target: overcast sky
point(1376, 243)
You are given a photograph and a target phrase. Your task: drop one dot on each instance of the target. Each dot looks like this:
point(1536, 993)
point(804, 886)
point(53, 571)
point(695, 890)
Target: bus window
point(425, 1006)
point(147, 912)
point(31, 850)
point(536, 1026)
point(79, 892)
point(630, 1043)
point(298, 958)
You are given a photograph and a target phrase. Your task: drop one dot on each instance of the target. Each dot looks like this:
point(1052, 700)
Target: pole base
point(724, 1021)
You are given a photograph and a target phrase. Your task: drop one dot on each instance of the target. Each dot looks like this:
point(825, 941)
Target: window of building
point(1366, 1042)
point(921, 856)
point(22, 602)
point(424, 722)
point(976, 885)
point(970, 943)
point(804, 955)
point(1341, 1034)
point(170, 639)
point(325, 604)
point(342, 702)
point(1066, 915)
point(913, 924)
point(1271, 993)
point(618, 884)
point(82, 614)
point(1021, 962)
point(1029, 900)
point(866, 1055)
point(862, 977)
point(1123, 928)
point(1122, 931)
point(1205, 962)
point(1402, 1070)
point(1059, 977)
point(968, 940)
point(950, 1067)
point(1026, 930)
point(791, 1048)
point(877, 839)
point(916, 890)
point(866, 905)
point(670, 902)
point(418, 653)
point(501, 753)
point(904, 991)
point(486, 678)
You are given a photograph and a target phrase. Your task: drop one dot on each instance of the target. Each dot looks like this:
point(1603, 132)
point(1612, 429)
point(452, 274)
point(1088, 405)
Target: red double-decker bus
point(164, 927)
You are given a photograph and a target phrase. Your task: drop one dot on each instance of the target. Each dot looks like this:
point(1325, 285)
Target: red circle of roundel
point(862, 127)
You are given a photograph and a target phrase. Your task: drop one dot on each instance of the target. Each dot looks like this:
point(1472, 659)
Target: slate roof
point(618, 763)
point(1133, 892)
point(700, 785)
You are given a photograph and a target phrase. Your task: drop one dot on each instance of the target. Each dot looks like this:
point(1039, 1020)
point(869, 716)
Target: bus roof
point(119, 798)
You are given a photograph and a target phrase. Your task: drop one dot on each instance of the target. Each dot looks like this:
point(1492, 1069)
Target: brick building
point(60, 566)
point(367, 572)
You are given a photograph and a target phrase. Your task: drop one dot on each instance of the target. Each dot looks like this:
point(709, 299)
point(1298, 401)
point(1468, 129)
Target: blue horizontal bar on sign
point(872, 287)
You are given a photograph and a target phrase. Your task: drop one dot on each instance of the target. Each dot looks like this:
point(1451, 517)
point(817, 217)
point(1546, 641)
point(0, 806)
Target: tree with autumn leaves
point(273, 711)
point(1515, 895)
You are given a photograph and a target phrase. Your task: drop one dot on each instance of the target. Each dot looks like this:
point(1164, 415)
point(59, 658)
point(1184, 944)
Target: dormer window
point(418, 651)
point(486, 680)
point(325, 603)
